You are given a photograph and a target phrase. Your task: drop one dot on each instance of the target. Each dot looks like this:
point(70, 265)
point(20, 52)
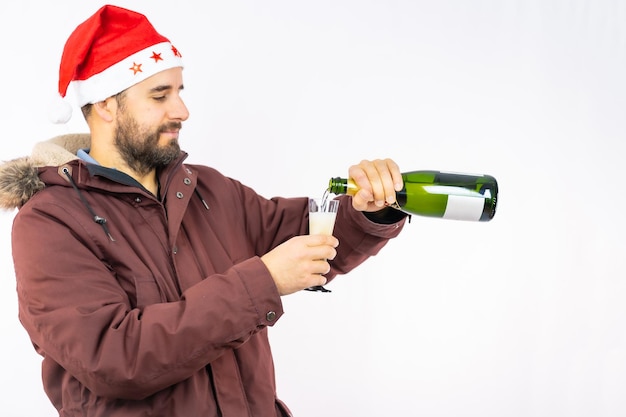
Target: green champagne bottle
point(446, 195)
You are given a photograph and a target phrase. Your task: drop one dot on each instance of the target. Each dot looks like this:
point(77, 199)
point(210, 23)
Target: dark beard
point(140, 148)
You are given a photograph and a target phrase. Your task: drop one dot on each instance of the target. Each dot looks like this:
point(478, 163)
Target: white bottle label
point(464, 208)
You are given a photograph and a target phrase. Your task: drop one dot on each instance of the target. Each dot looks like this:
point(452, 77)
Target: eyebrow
point(161, 88)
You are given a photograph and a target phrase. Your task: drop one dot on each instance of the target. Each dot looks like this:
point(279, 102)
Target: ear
point(106, 109)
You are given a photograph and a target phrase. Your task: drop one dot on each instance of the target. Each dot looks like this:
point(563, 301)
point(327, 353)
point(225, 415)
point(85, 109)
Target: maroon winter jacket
point(143, 307)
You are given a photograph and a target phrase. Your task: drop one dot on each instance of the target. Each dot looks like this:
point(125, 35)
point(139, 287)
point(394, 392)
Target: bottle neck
point(340, 185)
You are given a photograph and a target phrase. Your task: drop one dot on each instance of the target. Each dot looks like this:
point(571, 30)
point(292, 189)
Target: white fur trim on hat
point(126, 73)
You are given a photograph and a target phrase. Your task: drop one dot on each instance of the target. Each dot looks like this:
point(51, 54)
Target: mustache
point(170, 126)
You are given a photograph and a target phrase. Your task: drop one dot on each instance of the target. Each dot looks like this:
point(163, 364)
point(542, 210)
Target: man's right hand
point(300, 262)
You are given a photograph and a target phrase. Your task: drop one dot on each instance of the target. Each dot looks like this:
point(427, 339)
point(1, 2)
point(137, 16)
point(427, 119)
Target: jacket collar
point(22, 178)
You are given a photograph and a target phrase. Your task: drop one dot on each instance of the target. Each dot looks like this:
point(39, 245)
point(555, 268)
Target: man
point(147, 284)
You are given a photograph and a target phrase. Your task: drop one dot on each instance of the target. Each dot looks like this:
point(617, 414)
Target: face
point(149, 118)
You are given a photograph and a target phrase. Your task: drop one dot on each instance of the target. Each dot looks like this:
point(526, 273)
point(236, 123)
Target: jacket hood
point(19, 178)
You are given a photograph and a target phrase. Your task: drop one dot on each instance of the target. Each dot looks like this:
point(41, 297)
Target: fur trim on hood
point(19, 178)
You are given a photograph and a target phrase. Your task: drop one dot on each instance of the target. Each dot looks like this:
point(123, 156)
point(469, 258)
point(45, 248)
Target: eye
point(159, 98)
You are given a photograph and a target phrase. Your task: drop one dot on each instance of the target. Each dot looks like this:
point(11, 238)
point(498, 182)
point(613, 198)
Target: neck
point(149, 181)
point(111, 158)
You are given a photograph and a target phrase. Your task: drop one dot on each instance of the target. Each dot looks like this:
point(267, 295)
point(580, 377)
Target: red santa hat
point(111, 51)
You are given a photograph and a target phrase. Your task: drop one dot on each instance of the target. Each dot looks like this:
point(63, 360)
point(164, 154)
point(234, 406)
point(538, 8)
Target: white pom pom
point(60, 111)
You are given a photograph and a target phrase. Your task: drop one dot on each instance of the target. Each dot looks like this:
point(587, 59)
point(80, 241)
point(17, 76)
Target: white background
point(522, 316)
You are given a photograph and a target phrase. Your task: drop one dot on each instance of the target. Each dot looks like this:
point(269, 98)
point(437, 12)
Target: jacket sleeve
point(359, 236)
point(78, 315)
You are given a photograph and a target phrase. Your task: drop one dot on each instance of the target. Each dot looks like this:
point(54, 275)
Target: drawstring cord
point(206, 206)
point(98, 219)
point(101, 220)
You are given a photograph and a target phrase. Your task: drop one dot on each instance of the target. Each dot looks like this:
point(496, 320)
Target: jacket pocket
point(147, 292)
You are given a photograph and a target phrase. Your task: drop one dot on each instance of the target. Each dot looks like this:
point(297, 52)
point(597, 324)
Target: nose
point(178, 109)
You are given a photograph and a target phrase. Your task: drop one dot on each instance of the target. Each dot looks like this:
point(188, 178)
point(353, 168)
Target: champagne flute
point(322, 215)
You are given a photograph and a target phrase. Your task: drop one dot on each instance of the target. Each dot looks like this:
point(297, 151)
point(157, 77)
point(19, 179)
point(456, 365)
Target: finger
point(322, 252)
point(398, 181)
point(395, 174)
point(321, 240)
point(387, 187)
point(318, 280)
point(320, 267)
point(357, 172)
point(375, 174)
